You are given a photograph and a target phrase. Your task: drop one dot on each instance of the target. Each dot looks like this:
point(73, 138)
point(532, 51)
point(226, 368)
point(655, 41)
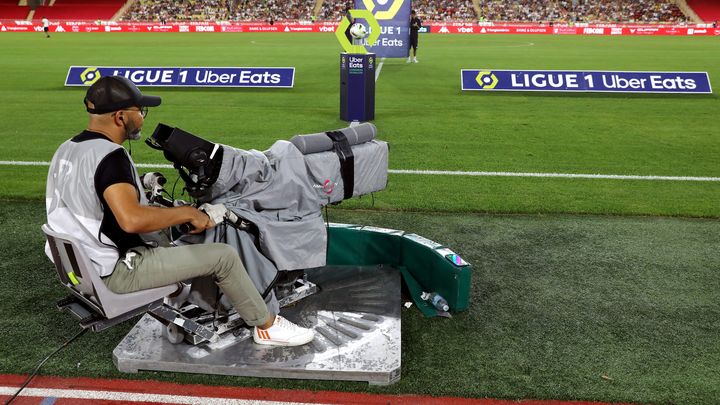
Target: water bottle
point(436, 300)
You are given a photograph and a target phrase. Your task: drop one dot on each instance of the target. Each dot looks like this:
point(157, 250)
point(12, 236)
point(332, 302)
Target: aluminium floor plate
point(356, 318)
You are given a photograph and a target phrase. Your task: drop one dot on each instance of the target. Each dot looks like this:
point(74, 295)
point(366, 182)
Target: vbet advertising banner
point(393, 16)
point(281, 77)
point(585, 81)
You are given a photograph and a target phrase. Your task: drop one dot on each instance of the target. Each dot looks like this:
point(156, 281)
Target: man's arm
point(135, 218)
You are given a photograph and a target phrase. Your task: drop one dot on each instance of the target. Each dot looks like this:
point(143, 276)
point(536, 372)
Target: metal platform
point(356, 318)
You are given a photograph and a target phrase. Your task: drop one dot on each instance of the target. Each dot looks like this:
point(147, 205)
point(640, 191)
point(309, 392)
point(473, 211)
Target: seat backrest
point(73, 267)
point(78, 274)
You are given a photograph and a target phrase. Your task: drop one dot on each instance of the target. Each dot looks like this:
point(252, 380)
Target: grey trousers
point(144, 268)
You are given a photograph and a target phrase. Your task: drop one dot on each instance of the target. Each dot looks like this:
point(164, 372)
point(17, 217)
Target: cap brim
point(150, 101)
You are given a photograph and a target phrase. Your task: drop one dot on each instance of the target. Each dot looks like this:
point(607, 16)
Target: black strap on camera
point(342, 148)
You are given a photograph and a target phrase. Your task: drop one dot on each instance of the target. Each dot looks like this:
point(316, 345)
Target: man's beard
point(132, 134)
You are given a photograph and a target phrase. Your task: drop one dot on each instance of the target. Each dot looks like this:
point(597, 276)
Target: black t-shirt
point(114, 168)
point(415, 25)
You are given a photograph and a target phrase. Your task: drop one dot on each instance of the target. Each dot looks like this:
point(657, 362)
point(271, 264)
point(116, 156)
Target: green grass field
point(421, 111)
point(619, 305)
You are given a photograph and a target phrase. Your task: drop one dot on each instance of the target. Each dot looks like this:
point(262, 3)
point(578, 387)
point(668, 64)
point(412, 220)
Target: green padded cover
point(426, 265)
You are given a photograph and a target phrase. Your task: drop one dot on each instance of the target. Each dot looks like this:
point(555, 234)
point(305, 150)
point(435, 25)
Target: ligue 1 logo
point(386, 14)
point(486, 80)
point(90, 75)
point(344, 24)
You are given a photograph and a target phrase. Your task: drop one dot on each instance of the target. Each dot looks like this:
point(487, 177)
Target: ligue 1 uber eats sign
point(282, 77)
point(586, 81)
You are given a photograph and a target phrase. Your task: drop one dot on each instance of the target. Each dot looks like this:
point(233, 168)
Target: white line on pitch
point(20, 163)
point(135, 397)
point(379, 68)
point(557, 175)
point(457, 173)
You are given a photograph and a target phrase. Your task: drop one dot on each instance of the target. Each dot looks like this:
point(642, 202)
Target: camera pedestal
point(356, 318)
point(357, 86)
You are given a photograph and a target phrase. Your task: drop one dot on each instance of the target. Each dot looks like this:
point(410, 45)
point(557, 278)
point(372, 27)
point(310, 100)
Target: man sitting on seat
point(94, 194)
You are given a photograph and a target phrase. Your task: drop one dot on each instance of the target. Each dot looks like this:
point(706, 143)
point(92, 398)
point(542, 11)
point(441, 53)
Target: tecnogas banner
point(394, 19)
point(282, 77)
point(585, 81)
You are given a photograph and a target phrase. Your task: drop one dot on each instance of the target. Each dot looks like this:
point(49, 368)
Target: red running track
point(60, 390)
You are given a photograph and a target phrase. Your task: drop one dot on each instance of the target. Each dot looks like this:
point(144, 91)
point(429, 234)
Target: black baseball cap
point(113, 93)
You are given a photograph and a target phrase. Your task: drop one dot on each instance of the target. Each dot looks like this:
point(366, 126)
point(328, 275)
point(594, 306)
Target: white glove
point(215, 212)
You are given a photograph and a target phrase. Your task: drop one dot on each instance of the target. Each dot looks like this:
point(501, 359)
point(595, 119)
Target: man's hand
point(201, 221)
point(216, 212)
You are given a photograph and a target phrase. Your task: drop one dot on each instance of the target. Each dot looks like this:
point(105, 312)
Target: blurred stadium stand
point(458, 10)
point(220, 10)
point(607, 11)
point(77, 10)
point(707, 10)
point(9, 9)
point(560, 11)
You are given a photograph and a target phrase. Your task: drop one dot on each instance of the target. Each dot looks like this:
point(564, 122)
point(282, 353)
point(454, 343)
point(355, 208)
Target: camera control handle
point(186, 227)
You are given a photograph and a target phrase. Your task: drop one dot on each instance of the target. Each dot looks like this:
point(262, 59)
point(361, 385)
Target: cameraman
point(94, 194)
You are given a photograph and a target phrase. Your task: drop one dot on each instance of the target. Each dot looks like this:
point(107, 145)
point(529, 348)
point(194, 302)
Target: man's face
point(133, 119)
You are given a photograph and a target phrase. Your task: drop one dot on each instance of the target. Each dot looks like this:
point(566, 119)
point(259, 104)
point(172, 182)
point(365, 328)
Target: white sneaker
point(283, 333)
point(415, 60)
point(409, 60)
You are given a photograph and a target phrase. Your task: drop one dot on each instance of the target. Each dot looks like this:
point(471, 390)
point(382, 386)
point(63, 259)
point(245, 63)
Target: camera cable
point(37, 368)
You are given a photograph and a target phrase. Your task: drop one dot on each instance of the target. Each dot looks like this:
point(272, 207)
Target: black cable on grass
point(37, 368)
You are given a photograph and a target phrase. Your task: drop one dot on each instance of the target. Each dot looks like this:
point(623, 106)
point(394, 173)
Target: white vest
point(72, 203)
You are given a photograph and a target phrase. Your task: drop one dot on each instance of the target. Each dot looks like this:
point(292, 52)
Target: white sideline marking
point(457, 173)
point(134, 397)
point(20, 163)
point(379, 68)
point(559, 175)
